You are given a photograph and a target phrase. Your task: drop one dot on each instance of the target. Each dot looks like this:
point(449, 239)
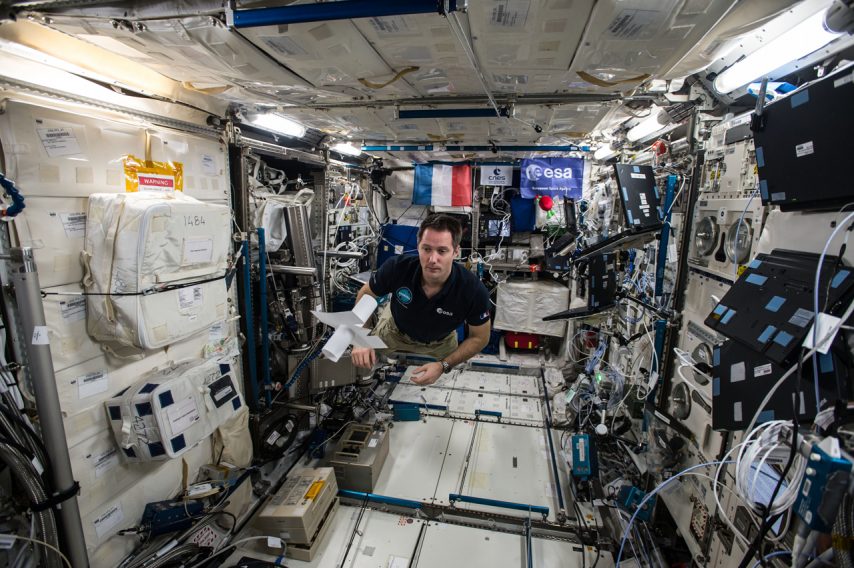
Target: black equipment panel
point(770, 307)
point(803, 143)
point(639, 195)
point(742, 378)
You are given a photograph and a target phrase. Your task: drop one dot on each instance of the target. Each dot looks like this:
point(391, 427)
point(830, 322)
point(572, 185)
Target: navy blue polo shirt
point(463, 298)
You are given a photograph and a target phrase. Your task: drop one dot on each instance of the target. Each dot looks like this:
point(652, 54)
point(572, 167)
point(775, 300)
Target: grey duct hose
point(21, 438)
point(184, 550)
point(148, 559)
point(16, 436)
point(44, 520)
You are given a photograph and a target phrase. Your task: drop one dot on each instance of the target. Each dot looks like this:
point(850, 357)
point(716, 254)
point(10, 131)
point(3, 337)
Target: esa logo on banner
point(557, 177)
point(496, 175)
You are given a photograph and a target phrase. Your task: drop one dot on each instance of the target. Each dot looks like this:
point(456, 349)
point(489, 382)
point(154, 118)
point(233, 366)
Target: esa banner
point(557, 177)
point(498, 174)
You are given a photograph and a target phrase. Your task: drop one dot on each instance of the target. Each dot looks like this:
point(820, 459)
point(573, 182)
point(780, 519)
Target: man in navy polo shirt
point(431, 296)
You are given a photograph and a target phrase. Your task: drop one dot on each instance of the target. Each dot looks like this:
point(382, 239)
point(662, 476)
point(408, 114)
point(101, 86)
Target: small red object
point(546, 203)
point(518, 340)
point(659, 147)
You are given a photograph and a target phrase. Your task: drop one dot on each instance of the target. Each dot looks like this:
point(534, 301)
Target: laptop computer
point(601, 289)
point(642, 213)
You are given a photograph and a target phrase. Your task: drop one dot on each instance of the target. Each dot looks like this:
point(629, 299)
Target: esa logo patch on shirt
point(404, 295)
point(444, 312)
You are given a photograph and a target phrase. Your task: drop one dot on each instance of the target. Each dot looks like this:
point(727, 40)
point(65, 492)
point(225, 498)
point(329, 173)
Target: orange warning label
point(147, 175)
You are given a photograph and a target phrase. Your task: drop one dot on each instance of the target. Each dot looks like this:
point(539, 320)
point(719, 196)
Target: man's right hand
point(364, 357)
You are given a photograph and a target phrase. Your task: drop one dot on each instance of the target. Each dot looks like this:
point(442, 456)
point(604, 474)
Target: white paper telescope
point(348, 328)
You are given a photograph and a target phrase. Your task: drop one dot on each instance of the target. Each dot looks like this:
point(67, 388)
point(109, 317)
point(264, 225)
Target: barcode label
point(108, 520)
point(73, 309)
point(91, 384)
point(105, 461)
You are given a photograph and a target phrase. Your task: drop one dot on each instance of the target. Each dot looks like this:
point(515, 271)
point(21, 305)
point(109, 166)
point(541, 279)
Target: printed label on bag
point(198, 250)
point(183, 415)
point(155, 182)
point(223, 393)
point(189, 297)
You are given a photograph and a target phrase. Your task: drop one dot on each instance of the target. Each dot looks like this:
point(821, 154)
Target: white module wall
point(56, 180)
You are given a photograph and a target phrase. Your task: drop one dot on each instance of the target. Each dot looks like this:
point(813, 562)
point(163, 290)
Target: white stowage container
point(168, 411)
point(523, 304)
point(159, 261)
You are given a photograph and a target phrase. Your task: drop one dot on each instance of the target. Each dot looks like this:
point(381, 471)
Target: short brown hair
point(442, 222)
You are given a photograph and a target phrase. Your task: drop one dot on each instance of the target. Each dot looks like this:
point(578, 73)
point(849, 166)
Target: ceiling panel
point(199, 51)
point(524, 44)
point(628, 41)
point(425, 41)
point(330, 55)
point(357, 69)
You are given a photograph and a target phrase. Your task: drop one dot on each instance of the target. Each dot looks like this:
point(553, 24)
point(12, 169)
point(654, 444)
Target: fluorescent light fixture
point(801, 40)
point(279, 124)
point(657, 120)
point(603, 152)
point(347, 149)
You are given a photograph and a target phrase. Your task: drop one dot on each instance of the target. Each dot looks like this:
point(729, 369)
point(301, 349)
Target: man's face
point(436, 251)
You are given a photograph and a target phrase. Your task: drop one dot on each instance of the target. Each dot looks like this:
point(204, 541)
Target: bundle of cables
point(27, 460)
point(754, 478)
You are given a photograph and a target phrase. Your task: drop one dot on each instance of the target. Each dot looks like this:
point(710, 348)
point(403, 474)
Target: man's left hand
point(427, 374)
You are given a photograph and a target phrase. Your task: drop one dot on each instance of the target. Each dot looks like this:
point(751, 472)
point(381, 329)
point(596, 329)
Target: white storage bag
point(168, 411)
point(155, 266)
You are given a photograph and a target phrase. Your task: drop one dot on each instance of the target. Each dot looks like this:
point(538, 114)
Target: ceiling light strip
point(155, 119)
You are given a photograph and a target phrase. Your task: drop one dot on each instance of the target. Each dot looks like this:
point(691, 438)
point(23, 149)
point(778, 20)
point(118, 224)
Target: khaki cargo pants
point(398, 341)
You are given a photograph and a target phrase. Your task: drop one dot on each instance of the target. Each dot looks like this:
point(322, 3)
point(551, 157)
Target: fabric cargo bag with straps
point(170, 410)
point(155, 267)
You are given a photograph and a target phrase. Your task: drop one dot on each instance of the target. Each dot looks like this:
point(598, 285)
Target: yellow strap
point(401, 73)
point(602, 83)
point(205, 90)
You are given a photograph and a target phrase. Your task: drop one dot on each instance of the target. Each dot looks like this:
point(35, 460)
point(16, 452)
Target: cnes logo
point(496, 175)
point(535, 172)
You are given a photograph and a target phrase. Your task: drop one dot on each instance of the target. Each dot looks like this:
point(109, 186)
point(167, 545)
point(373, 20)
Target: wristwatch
point(446, 367)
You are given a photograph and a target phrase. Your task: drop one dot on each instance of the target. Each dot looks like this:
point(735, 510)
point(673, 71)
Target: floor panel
point(510, 463)
point(444, 381)
point(416, 455)
point(451, 545)
point(483, 382)
point(415, 394)
point(434, 457)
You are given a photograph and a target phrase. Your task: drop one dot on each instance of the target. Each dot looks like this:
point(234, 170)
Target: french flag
point(437, 184)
